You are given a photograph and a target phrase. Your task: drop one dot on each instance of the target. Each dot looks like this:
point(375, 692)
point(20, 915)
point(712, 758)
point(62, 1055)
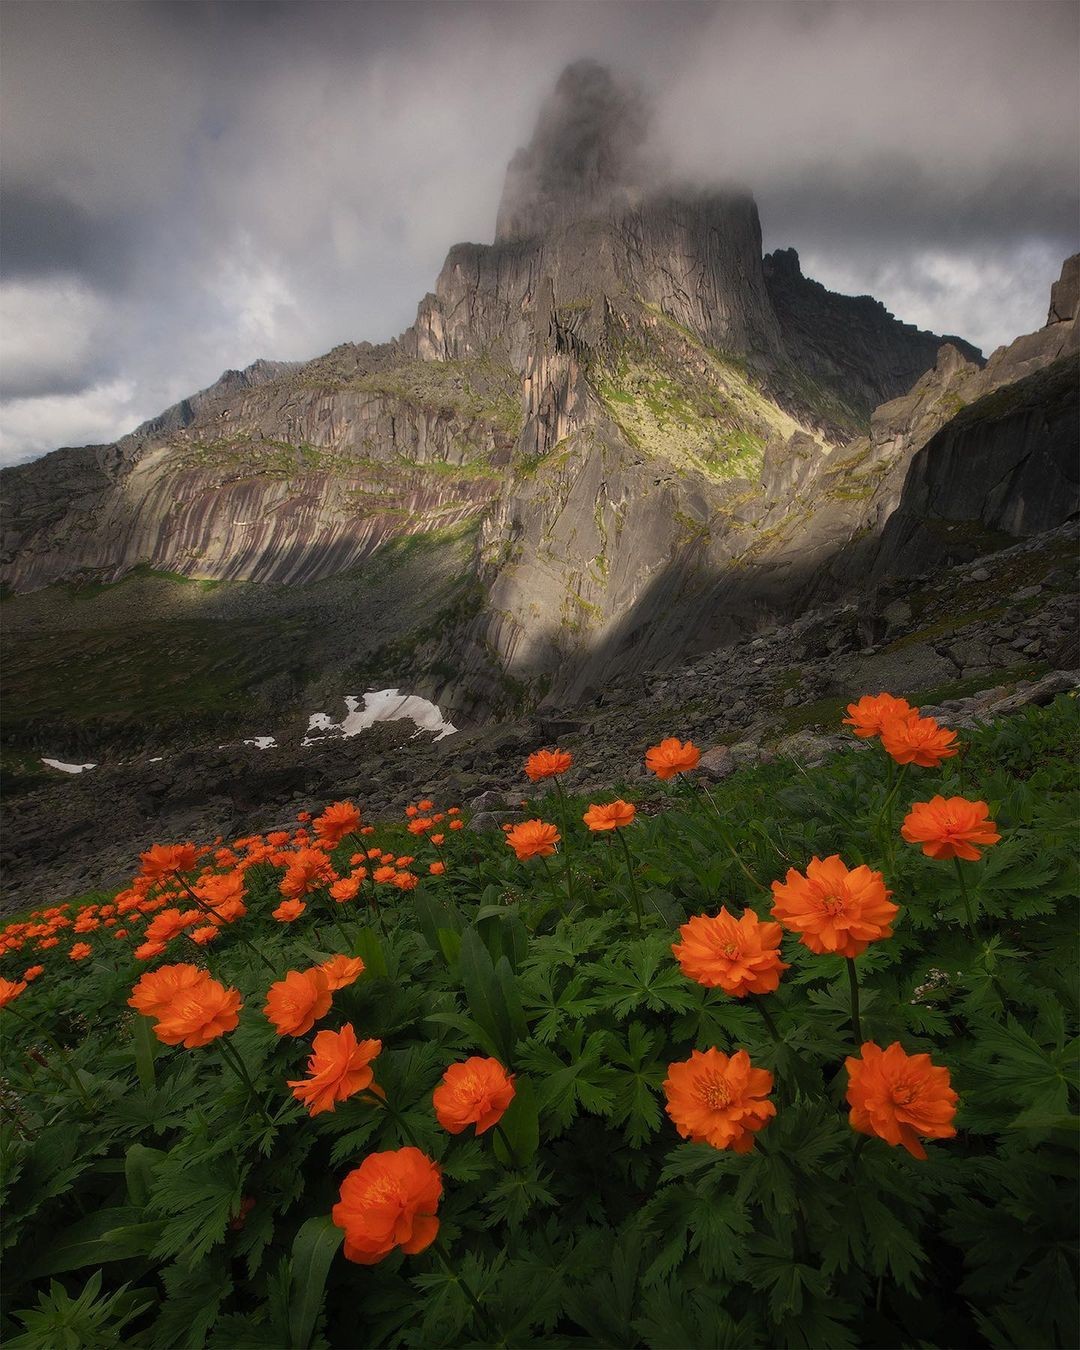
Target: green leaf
point(139, 1164)
point(370, 949)
point(109, 1235)
point(520, 1125)
point(145, 1045)
point(484, 992)
point(313, 1251)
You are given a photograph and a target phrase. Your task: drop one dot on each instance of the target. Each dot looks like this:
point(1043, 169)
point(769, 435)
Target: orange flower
point(389, 1201)
point(612, 816)
point(224, 894)
point(345, 889)
point(296, 1003)
point(148, 950)
point(918, 740)
point(303, 815)
point(382, 874)
point(950, 827)
point(547, 764)
point(533, 839)
point(307, 870)
point(411, 811)
point(164, 859)
point(338, 1068)
point(457, 824)
point(437, 838)
point(341, 971)
point(437, 868)
point(32, 972)
point(714, 1099)
point(205, 935)
point(834, 909)
point(10, 989)
point(672, 757)
point(741, 956)
point(426, 804)
point(476, 1092)
point(170, 923)
point(867, 717)
point(289, 911)
point(898, 1097)
point(156, 990)
point(405, 881)
point(199, 1015)
point(419, 825)
point(80, 951)
point(335, 823)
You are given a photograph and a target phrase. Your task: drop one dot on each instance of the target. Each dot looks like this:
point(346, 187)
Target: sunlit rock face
point(661, 438)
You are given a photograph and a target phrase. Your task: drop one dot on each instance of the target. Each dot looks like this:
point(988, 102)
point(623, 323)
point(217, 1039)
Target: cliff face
point(663, 437)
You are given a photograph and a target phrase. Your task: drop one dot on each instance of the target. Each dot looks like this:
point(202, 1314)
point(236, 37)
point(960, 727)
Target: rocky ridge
point(993, 632)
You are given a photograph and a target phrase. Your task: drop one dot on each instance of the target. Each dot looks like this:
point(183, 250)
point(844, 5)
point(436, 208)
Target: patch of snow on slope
point(383, 705)
point(66, 768)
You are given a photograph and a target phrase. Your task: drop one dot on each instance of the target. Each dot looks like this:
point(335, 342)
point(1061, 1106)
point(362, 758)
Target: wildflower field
point(783, 1061)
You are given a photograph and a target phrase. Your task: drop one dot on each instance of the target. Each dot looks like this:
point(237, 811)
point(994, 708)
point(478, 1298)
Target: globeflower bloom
point(833, 908)
point(532, 839)
point(80, 951)
point(10, 989)
point(389, 1201)
point(170, 923)
point(719, 1100)
point(199, 1015)
point(672, 757)
point(157, 989)
point(306, 871)
point(867, 717)
point(918, 740)
point(335, 823)
point(899, 1097)
point(295, 1004)
point(289, 911)
point(547, 764)
point(950, 827)
point(32, 972)
point(163, 860)
point(339, 1067)
point(341, 971)
point(612, 816)
point(740, 956)
point(476, 1092)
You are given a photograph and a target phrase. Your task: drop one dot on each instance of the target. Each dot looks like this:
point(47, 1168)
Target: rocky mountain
point(654, 438)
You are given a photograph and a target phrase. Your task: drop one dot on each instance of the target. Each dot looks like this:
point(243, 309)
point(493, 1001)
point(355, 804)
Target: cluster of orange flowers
point(391, 1199)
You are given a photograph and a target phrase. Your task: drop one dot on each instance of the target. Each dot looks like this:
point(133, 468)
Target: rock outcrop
point(663, 439)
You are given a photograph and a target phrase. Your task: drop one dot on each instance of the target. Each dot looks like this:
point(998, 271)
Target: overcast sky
point(188, 186)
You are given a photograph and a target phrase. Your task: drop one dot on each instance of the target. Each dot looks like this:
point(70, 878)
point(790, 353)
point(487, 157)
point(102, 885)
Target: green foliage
point(170, 1203)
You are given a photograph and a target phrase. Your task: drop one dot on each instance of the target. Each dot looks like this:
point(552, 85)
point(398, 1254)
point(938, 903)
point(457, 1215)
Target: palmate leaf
point(549, 1011)
point(585, 1081)
point(672, 1320)
point(643, 974)
point(636, 1104)
point(770, 1267)
point(193, 1297)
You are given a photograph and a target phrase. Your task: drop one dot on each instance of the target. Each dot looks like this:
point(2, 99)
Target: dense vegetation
point(164, 1194)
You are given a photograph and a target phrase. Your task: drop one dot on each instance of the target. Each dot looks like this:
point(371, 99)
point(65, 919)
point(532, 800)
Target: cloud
point(216, 181)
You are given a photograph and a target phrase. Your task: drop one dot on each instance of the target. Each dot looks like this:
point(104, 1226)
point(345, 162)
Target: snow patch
point(66, 768)
point(262, 742)
point(383, 705)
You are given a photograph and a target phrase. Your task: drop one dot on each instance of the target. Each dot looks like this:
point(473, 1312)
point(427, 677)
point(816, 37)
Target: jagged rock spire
point(584, 157)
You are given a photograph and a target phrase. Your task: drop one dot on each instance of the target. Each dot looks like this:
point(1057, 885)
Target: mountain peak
point(585, 156)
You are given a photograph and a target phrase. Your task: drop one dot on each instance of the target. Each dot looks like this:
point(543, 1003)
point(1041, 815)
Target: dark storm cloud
point(192, 185)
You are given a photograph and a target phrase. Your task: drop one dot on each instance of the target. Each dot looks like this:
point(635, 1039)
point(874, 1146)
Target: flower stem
point(551, 882)
point(71, 1077)
point(967, 901)
point(564, 811)
point(488, 1325)
point(232, 1057)
point(208, 909)
point(509, 1147)
point(767, 1018)
point(633, 879)
point(853, 982)
point(726, 841)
